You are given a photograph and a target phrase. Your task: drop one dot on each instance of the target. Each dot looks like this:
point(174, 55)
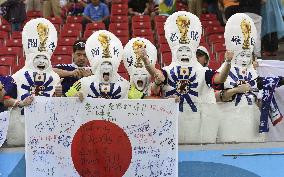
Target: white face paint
point(106, 72)
point(41, 62)
point(140, 79)
point(184, 55)
point(244, 58)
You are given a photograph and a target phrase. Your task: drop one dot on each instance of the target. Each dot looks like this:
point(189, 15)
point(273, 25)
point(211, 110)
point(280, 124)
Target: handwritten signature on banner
point(4, 123)
point(101, 138)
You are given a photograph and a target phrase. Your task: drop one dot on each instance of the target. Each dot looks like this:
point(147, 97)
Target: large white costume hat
point(183, 29)
point(240, 33)
point(39, 37)
point(240, 36)
point(131, 57)
point(103, 46)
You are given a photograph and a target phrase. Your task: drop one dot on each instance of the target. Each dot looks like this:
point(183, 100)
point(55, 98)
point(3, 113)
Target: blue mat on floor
point(191, 164)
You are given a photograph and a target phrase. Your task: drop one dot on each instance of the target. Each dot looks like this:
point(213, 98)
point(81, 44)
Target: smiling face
point(184, 55)
point(41, 62)
point(106, 71)
point(244, 58)
point(140, 79)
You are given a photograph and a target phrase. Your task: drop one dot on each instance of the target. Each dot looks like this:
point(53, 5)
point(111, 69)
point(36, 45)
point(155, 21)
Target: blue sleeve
point(166, 77)
point(10, 86)
point(87, 11)
point(105, 10)
point(209, 78)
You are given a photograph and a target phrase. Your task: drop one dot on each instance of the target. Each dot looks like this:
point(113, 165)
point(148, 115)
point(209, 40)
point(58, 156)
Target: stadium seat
point(34, 14)
point(210, 16)
point(120, 6)
point(95, 26)
point(66, 41)
point(119, 19)
point(55, 20)
point(220, 56)
point(74, 19)
point(164, 48)
point(8, 61)
point(160, 31)
point(14, 43)
point(141, 25)
point(3, 37)
point(219, 47)
point(119, 2)
point(141, 18)
point(124, 39)
point(115, 12)
point(73, 26)
point(4, 70)
point(214, 30)
point(70, 33)
point(14, 52)
point(61, 59)
point(142, 32)
point(3, 21)
point(160, 18)
point(16, 35)
point(63, 50)
point(166, 58)
point(119, 33)
point(6, 28)
point(88, 33)
point(118, 26)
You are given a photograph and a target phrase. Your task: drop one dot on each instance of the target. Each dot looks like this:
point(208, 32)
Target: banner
point(100, 137)
point(274, 68)
point(4, 123)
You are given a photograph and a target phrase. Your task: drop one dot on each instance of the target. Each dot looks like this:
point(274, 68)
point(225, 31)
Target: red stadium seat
point(220, 56)
point(4, 70)
point(119, 19)
point(6, 28)
point(219, 47)
point(166, 58)
point(214, 64)
point(16, 35)
point(124, 75)
point(122, 12)
point(205, 24)
point(142, 32)
point(141, 25)
point(88, 33)
point(8, 61)
point(63, 50)
point(3, 37)
point(14, 43)
point(120, 6)
point(118, 26)
point(121, 68)
point(95, 26)
point(162, 39)
point(214, 30)
point(61, 59)
point(66, 41)
point(160, 31)
point(141, 18)
point(119, 33)
point(73, 26)
point(160, 18)
point(164, 48)
point(204, 17)
point(3, 21)
point(124, 39)
point(34, 14)
point(74, 19)
point(55, 20)
point(119, 1)
point(15, 52)
point(70, 33)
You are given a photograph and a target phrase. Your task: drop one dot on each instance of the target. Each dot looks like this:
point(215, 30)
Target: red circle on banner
point(101, 148)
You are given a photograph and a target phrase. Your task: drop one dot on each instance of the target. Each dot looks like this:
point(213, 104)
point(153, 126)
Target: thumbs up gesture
point(58, 89)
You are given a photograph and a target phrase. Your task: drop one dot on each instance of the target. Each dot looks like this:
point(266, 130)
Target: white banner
point(4, 123)
point(274, 68)
point(100, 137)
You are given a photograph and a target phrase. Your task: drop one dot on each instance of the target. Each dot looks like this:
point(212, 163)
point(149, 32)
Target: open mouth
point(185, 60)
point(140, 83)
point(106, 76)
point(41, 67)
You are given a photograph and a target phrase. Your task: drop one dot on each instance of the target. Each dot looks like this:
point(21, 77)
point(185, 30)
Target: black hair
point(79, 45)
point(201, 53)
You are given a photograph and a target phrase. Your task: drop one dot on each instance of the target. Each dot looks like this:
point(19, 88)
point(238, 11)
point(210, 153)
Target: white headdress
point(103, 46)
point(132, 60)
point(39, 37)
point(183, 29)
point(240, 34)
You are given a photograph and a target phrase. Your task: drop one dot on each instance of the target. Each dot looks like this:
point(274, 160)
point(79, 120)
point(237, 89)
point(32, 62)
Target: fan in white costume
point(104, 51)
point(140, 84)
point(39, 38)
point(188, 80)
point(241, 115)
